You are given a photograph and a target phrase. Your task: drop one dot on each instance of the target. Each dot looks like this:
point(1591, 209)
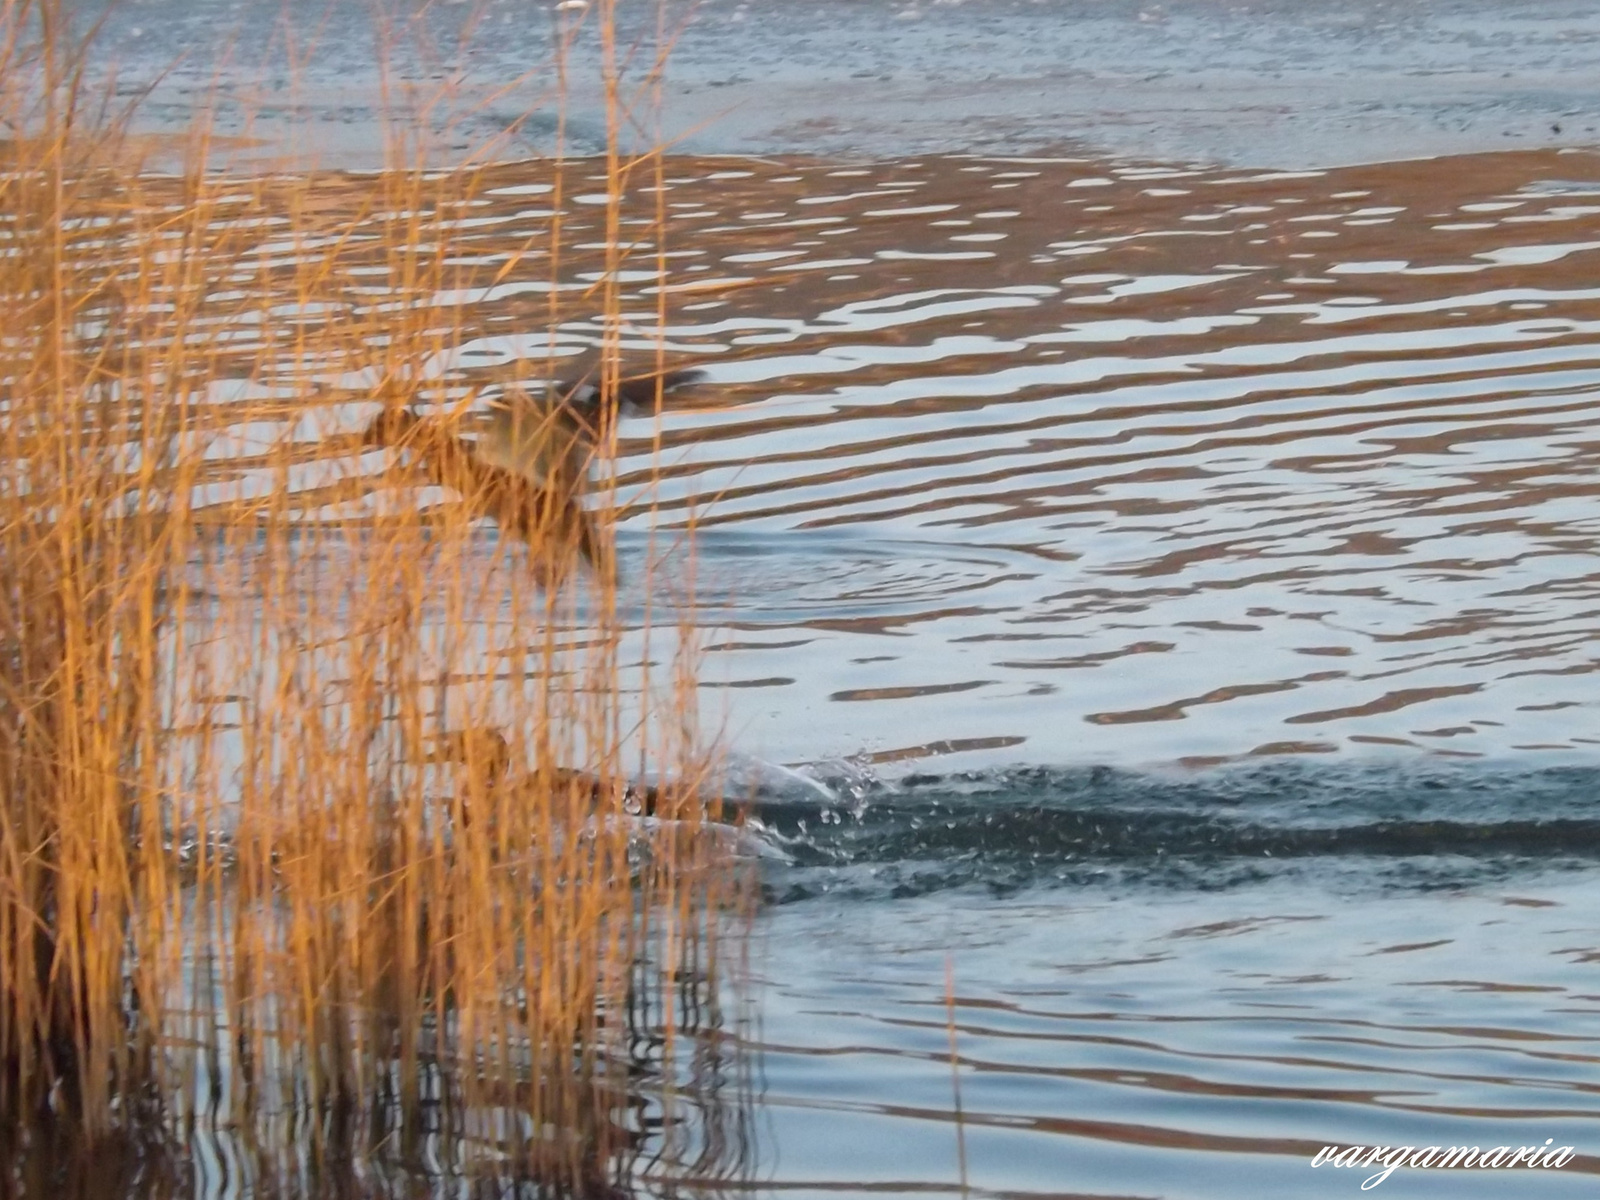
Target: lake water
point(1184, 583)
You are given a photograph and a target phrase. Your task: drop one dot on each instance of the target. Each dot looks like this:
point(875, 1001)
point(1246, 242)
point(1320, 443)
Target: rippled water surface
point(1056, 461)
point(1184, 583)
point(1181, 1047)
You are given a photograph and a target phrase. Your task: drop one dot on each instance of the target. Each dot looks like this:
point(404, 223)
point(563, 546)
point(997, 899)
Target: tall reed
point(240, 887)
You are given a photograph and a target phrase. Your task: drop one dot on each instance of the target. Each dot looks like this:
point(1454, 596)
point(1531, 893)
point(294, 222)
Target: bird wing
point(548, 447)
point(543, 509)
point(580, 386)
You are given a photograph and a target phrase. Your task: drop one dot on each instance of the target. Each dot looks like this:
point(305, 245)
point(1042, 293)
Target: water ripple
point(1191, 466)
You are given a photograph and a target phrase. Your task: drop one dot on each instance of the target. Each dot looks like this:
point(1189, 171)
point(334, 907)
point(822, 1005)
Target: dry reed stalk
point(955, 1071)
point(233, 893)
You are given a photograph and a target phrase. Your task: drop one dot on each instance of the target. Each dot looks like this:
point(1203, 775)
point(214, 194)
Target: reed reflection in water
point(681, 1106)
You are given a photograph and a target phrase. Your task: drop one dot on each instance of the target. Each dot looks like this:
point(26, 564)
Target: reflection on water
point(1179, 464)
point(1150, 1046)
point(674, 1096)
point(1088, 466)
point(1051, 460)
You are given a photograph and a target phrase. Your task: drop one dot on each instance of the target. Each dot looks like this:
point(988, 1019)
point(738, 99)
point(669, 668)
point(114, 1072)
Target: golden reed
point(240, 893)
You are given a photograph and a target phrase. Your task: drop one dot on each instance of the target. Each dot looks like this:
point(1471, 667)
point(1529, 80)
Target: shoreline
point(1292, 86)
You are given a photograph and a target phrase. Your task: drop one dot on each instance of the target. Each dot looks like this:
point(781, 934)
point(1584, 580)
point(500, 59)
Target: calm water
point(1184, 584)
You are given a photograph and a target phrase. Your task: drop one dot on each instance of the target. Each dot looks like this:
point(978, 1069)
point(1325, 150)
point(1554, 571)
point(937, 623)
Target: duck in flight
point(528, 466)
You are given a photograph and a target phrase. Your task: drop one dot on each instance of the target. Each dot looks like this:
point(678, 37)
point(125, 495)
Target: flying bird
point(528, 466)
point(552, 439)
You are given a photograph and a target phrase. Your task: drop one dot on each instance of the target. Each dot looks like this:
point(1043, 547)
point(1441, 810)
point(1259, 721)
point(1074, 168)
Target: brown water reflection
point(1134, 463)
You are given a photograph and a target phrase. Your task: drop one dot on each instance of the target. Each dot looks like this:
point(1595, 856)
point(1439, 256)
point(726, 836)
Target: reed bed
point(258, 882)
